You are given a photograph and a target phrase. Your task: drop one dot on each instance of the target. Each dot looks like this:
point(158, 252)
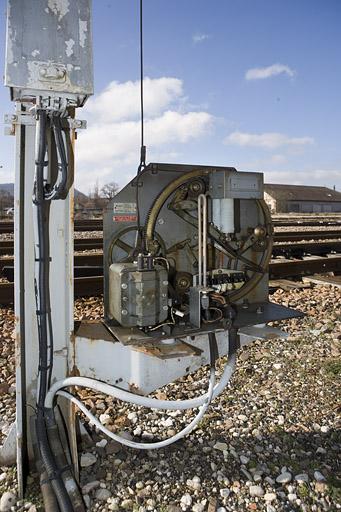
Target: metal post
point(61, 282)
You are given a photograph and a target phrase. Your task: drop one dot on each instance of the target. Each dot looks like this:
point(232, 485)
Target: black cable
point(143, 147)
point(45, 418)
point(142, 164)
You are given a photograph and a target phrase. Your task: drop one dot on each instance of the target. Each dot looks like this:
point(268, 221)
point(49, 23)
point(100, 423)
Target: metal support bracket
point(27, 119)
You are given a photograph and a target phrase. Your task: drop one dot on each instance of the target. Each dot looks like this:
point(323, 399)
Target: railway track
point(88, 244)
point(297, 250)
point(97, 224)
point(89, 284)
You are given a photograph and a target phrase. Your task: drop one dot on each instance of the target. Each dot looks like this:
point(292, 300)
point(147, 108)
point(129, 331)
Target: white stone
point(132, 416)
point(292, 496)
point(167, 423)
point(8, 500)
point(242, 417)
point(280, 419)
point(302, 478)
point(127, 504)
point(321, 450)
point(244, 459)
point(284, 478)
point(324, 429)
point(318, 476)
point(225, 493)
point(186, 500)
point(220, 446)
point(3, 477)
point(277, 366)
point(256, 490)
point(138, 431)
point(105, 419)
point(270, 496)
point(257, 477)
point(221, 509)
point(102, 443)
point(194, 483)
point(198, 507)
point(90, 486)
point(88, 459)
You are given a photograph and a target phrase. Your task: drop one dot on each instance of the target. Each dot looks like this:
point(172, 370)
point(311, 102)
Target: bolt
point(124, 312)
point(124, 286)
point(165, 308)
point(165, 283)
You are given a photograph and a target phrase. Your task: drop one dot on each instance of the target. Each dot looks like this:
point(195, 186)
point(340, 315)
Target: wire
point(147, 446)
point(142, 164)
point(153, 403)
point(143, 147)
point(166, 442)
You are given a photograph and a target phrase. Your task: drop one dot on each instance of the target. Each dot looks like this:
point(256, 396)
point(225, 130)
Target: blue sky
point(205, 106)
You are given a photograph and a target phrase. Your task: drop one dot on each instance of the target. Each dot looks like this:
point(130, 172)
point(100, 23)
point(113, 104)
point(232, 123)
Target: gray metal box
point(49, 49)
point(236, 185)
point(137, 298)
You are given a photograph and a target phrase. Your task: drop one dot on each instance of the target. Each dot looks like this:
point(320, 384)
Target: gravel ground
point(269, 442)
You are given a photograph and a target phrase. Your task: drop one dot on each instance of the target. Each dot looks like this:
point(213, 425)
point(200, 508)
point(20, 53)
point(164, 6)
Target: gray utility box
point(137, 298)
point(49, 49)
point(236, 185)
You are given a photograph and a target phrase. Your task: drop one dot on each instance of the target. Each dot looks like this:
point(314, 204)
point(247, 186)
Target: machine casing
point(54, 57)
point(137, 298)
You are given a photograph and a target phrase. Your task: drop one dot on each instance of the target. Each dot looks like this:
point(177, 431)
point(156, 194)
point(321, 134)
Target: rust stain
point(75, 371)
point(134, 388)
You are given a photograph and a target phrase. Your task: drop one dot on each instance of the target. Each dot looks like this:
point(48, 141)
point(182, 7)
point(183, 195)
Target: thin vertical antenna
point(143, 147)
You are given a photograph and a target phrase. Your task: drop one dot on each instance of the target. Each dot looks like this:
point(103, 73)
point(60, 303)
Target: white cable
point(126, 396)
point(146, 446)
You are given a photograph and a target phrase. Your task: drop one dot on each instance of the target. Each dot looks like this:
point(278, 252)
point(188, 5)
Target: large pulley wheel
point(261, 244)
point(127, 243)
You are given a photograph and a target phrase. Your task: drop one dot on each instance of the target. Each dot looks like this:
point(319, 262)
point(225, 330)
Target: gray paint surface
point(49, 49)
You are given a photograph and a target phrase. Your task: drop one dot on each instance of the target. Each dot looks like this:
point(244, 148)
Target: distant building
point(301, 199)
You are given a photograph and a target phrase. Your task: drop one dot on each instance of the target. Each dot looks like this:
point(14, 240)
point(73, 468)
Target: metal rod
point(199, 241)
point(202, 239)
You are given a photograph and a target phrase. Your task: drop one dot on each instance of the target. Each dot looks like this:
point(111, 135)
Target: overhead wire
point(142, 164)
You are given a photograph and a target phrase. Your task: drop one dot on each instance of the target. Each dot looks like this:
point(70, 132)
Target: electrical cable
point(166, 442)
point(143, 147)
point(59, 476)
point(152, 403)
point(43, 301)
point(145, 446)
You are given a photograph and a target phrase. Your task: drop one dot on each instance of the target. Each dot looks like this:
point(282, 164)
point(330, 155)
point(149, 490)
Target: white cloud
point(199, 38)
point(122, 100)
point(268, 140)
point(108, 150)
point(267, 72)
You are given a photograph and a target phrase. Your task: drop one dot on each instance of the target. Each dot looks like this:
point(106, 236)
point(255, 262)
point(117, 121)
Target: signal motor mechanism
point(194, 228)
point(138, 293)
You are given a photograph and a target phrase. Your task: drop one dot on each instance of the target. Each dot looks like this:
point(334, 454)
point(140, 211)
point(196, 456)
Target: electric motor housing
point(138, 298)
